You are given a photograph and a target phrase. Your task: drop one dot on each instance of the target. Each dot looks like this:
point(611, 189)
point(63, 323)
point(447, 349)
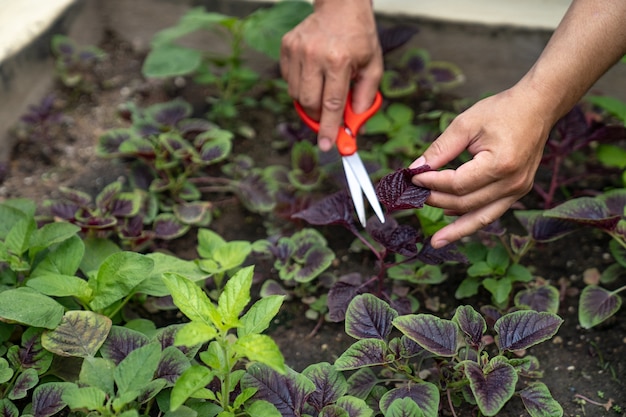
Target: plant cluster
point(79, 348)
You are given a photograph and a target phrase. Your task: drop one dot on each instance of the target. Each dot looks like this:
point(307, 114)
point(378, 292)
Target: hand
point(335, 45)
point(506, 136)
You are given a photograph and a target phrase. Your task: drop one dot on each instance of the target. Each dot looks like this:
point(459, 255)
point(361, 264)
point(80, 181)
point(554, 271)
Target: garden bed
point(577, 363)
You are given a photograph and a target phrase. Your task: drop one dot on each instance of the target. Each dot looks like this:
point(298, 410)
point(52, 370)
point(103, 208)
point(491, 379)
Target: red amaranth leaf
point(396, 191)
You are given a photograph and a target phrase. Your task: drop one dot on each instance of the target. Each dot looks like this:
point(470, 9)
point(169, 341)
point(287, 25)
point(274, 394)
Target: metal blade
point(355, 191)
point(359, 171)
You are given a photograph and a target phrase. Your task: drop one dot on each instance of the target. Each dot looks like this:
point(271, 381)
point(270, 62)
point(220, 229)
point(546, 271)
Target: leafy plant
point(396, 192)
point(416, 73)
point(115, 213)
point(604, 212)
point(227, 73)
point(39, 126)
point(226, 352)
point(408, 374)
point(75, 63)
point(572, 134)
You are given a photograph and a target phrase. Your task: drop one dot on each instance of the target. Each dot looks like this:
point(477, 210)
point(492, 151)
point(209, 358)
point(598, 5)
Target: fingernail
point(439, 244)
point(324, 144)
point(418, 162)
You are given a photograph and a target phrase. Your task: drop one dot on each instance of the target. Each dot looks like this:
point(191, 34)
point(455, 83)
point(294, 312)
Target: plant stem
point(450, 403)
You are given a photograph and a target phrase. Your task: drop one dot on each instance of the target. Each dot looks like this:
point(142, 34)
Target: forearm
point(589, 40)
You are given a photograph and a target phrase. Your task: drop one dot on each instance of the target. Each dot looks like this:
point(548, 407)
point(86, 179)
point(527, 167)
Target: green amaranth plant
point(406, 375)
point(226, 72)
point(233, 339)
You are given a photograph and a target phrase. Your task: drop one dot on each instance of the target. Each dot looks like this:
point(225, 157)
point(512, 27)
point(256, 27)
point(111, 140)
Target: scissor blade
point(355, 191)
point(358, 169)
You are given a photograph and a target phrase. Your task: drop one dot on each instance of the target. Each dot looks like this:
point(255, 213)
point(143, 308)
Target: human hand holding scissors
point(357, 177)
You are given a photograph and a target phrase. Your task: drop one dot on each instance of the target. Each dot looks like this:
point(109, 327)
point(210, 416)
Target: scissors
point(357, 178)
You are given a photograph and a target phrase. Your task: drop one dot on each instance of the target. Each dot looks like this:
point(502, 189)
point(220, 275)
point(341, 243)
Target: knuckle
point(333, 104)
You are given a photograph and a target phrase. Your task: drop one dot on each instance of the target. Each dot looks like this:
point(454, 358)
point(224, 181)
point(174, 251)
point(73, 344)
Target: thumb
point(450, 144)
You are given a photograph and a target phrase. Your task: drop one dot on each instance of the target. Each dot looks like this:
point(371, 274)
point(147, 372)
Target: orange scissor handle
point(352, 122)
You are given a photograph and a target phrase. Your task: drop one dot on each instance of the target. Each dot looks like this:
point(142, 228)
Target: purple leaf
point(171, 112)
point(585, 211)
point(615, 201)
point(25, 381)
point(541, 298)
point(448, 253)
point(394, 37)
point(493, 386)
point(538, 400)
point(79, 198)
point(120, 342)
point(47, 398)
point(287, 393)
point(369, 317)
point(8, 409)
point(256, 192)
point(167, 227)
point(436, 335)
point(341, 294)
point(196, 212)
point(396, 238)
point(396, 191)
point(109, 143)
point(471, 323)
point(334, 209)
point(363, 353)
point(167, 335)
point(361, 382)
point(596, 305)
point(31, 353)
point(522, 329)
point(425, 394)
point(172, 364)
point(330, 384)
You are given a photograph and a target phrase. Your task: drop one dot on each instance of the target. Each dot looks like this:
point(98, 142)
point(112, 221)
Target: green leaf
point(468, 287)
point(191, 300)
point(194, 378)
point(613, 105)
point(500, 289)
point(96, 251)
point(117, 277)
point(19, 235)
point(498, 259)
point(98, 372)
point(24, 382)
point(10, 216)
point(80, 334)
point(63, 258)
point(138, 368)
point(154, 284)
point(6, 373)
point(42, 310)
point(89, 398)
point(228, 256)
point(262, 408)
point(171, 61)
point(612, 155)
point(264, 29)
point(52, 233)
point(261, 348)
point(57, 285)
point(404, 407)
point(260, 315)
point(519, 273)
point(195, 333)
point(208, 242)
point(235, 296)
point(8, 409)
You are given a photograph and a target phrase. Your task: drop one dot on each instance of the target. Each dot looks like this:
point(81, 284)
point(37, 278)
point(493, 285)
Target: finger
point(468, 178)
point(310, 94)
point(450, 144)
point(365, 86)
point(470, 223)
point(335, 91)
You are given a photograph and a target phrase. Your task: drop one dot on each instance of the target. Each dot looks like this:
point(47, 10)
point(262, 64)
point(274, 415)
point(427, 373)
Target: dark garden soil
point(577, 363)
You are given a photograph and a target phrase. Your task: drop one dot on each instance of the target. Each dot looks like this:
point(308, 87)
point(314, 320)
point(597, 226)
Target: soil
point(576, 363)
